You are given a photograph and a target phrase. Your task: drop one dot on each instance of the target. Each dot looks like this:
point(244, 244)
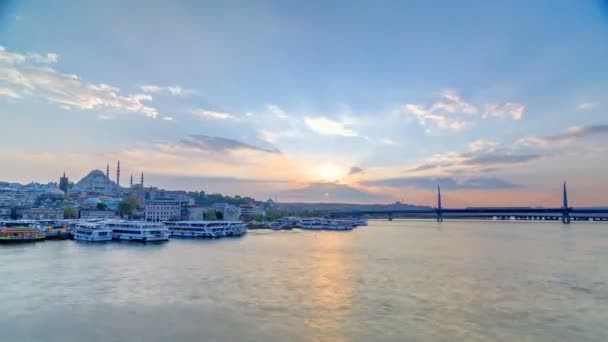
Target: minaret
point(142, 179)
point(131, 184)
point(118, 174)
point(108, 171)
point(565, 196)
point(439, 208)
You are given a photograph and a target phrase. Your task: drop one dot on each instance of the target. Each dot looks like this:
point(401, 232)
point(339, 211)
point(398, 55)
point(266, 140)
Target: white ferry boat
point(206, 229)
point(138, 231)
point(91, 231)
point(325, 224)
point(311, 223)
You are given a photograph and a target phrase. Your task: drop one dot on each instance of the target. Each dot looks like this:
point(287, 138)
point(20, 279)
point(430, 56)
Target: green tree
point(210, 215)
point(127, 206)
point(70, 212)
point(102, 206)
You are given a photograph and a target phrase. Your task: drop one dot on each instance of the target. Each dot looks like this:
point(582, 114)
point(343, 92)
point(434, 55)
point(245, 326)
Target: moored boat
point(206, 229)
point(57, 231)
point(18, 233)
point(92, 232)
point(137, 231)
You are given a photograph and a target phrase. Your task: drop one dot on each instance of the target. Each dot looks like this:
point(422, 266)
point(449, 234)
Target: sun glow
point(328, 172)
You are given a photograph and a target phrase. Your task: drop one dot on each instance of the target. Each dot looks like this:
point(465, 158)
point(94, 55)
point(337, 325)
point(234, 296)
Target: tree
point(102, 206)
point(127, 206)
point(210, 215)
point(70, 212)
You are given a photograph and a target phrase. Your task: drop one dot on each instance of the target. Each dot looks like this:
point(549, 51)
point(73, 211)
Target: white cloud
point(588, 105)
point(277, 111)
point(213, 115)
point(429, 118)
point(387, 141)
point(514, 111)
point(453, 113)
point(167, 118)
point(9, 93)
point(482, 145)
point(325, 126)
point(151, 89)
point(174, 90)
point(272, 136)
point(29, 74)
point(452, 103)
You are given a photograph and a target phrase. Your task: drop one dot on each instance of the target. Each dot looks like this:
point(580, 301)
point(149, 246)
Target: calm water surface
point(391, 281)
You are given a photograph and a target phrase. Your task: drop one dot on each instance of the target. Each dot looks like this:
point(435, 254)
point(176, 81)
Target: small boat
point(92, 232)
point(18, 233)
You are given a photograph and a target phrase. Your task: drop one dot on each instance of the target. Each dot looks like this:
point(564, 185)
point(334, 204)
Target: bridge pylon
point(439, 208)
point(566, 210)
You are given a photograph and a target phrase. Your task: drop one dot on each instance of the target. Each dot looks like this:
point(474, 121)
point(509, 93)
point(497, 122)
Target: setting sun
point(328, 172)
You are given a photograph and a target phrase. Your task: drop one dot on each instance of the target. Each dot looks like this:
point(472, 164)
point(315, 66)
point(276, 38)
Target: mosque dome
point(54, 191)
point(96, 181)
point(91, 201)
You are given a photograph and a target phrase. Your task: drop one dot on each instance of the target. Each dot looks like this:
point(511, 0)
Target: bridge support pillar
point(566, 218)
point(390, 216)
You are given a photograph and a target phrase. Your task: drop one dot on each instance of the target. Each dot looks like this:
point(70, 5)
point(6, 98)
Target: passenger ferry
point(206, 229)
point(91, 231)
point(325, 224)
point(138, 231)
point(16, 232)
point(311, 223)
point(56, 230)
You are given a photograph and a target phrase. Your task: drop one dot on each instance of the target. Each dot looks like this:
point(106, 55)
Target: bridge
point(565, 213)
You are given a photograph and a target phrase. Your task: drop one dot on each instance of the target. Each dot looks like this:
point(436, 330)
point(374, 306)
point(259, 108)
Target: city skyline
point(315, 103)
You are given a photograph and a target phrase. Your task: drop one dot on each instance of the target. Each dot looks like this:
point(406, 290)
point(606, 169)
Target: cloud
point(588, 105)
point(213, 115)
point(325, 126)
point(277, 111)
point(447, 183)
point(354, 170)
point(452, 103)
point(514, 111)
point(30, 75)
point(570, 135)
point(167, 118)
point(387, 141)
point(331, 193)
point(221, 145)
point(482, 154)
point(18, 18)
point(451, 112)
point(9, 93)
point(174, 90)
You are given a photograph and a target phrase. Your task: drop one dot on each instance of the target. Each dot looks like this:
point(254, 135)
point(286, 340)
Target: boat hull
point(12, 241)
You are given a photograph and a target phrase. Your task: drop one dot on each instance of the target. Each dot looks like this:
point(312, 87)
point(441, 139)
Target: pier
point(565, 213)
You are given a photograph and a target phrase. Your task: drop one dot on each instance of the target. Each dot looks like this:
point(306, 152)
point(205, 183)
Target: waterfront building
point(229, 212)
point(180, 197)
point(93, 213)
point(162, 210)
point(249, 211)
point(42, 214)
point(5, 213)
point(196, 213)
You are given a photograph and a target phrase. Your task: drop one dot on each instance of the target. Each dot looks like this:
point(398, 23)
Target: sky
point(315, 101)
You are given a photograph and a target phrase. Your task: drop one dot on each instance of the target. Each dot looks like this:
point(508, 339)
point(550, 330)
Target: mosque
point(98, 182)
